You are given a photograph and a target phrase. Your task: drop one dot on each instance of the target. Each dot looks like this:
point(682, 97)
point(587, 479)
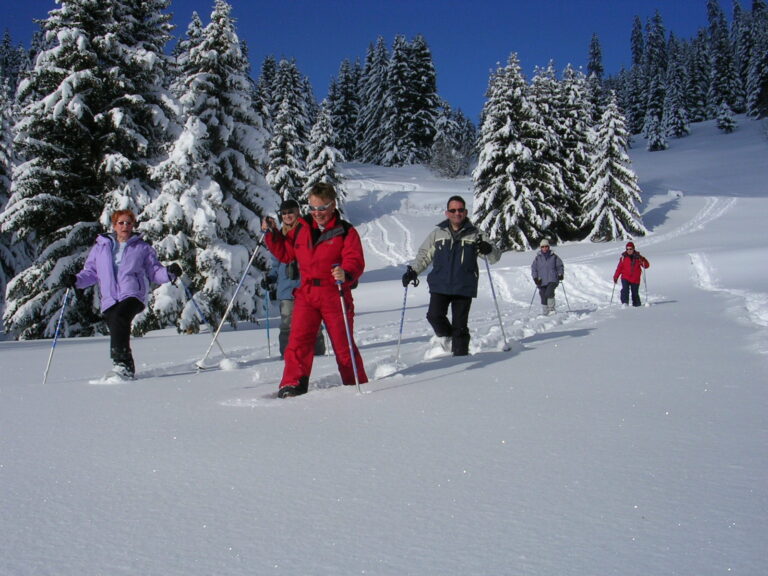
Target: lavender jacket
point(139, 263)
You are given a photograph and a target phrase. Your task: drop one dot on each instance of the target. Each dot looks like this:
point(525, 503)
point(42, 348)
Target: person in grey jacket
point(452, 249)
point(286, 278)
point(547, 271)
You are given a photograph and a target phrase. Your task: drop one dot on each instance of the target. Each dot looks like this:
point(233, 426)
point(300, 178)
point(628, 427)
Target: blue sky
point(467, 38)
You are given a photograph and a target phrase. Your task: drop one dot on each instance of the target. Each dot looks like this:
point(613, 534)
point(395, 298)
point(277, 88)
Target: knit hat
point(630, 245)
point(289, 205)
point(544, 242)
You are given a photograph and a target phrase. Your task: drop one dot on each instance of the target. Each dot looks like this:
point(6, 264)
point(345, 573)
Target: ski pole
point(506, 347)
point(266, 319)
point(402, 319)
point(349, 333)
point(535, 289)
point(201, 363)
point(613, 292)
point(56, 335)
point(645, 283)
point(565, 292)
point(200, 313)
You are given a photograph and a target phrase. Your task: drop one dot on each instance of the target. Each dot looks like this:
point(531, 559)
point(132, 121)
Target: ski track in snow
point(714, 208)
point(754, 305)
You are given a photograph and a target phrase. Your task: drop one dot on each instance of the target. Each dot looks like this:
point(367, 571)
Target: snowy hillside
point(608, 441)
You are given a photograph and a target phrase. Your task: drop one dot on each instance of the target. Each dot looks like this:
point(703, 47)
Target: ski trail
point(755, 304)
point(714, 208)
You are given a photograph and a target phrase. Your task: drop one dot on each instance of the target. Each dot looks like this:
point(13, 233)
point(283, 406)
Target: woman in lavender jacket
point(123, 264)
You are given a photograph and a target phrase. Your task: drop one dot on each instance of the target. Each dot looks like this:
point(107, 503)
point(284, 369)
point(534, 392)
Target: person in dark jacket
point(547, 270)
point(630, 269)
point(123, 265)
point(452, 249)
point(285, 276)
point(331, 260)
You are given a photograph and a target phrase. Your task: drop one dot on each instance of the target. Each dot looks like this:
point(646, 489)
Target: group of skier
point(317, 259)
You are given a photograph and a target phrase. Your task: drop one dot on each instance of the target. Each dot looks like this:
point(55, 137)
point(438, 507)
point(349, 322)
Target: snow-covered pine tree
point(575, 137)
point(286, 173)
point(454, 144)
point(293, 98)
point(725, 120)
point(373, 97)
point(655, 64)
point(425, 100)
point(675, 116)
point(610, 204)
point(698, 68)
point(13, 257)
point(757, 79)
point(544, 95)
point(265, 97)
point(723, 84)
point(12, 61)
point(207, 215)
point(398, 145)
point(344, 104)
point(512, 186)
point(70, 160)
point(323, 158)
point(595, 73)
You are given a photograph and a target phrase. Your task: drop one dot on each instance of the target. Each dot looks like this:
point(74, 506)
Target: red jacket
point(317, 252)
point(630, 267)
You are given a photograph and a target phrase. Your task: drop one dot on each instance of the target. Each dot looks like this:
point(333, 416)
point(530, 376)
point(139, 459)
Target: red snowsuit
point(317, 297)
point(630, 267)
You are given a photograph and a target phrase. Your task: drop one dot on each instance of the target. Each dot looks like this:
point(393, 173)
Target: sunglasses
point(321, 208)
point(454, 210)
point(125, 222)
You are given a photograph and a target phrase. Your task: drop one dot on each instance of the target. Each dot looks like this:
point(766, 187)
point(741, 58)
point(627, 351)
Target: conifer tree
point(92, 120)
point(610, 204)
point(323, 158)
point(757, 79)
point(344, 105)
point(214, 193)
point(723, 83)
point(454, 144)
point(373, 98)
point(286, 173)
point(675, 116)
point(595, 73)
point(512, 187)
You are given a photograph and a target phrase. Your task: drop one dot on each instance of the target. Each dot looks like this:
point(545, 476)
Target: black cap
point(289, 205)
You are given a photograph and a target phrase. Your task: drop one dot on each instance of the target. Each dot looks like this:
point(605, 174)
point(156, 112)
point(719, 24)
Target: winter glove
point(484, 247)
point(409, 277)
point(175, 269)
point(68, 280)
point(560, 277)
point(615, 279)
point(538, 281)
point(265, 283)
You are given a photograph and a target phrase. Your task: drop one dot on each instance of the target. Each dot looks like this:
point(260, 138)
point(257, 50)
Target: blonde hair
point(326, 192)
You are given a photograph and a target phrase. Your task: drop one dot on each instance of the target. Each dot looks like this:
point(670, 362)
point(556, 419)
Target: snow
point(607, 441)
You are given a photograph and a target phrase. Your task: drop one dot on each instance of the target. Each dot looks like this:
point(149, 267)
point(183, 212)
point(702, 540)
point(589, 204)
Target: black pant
point(119, 318)
point(437, 316)
point(626, 288)
point(547, 291)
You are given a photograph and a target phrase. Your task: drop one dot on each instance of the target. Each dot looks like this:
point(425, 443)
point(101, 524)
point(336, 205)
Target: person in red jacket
point(630, 268)
point(328, 251)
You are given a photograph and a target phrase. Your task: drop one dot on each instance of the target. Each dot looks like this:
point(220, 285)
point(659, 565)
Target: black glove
point(265, 283)
point(410, 276)
point(560, 277)
point(538, 281)
point(68, 280)
point(484, 247)
point(175, 269)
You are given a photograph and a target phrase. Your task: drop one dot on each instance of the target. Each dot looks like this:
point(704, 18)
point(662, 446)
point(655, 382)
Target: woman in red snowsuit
point(630, 268)
point(328, 250)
